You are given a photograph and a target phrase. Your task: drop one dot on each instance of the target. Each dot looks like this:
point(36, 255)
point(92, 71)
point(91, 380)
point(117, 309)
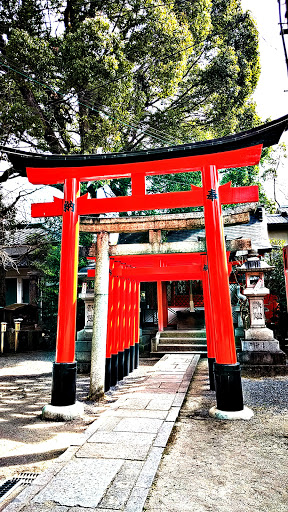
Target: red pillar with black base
point(226, 369)
point(110, 330)
point(137, 323)
point(132, 325)
point(122, 307)
point(209, 322)
point(127, 329)
point(165, 304)
point(160, 306)
point(116, 332)
point(65, 367)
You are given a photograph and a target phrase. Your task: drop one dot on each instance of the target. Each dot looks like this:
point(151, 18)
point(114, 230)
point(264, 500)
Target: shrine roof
point(267, 135)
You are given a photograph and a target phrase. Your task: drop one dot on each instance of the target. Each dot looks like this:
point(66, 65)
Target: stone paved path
point(112, 465)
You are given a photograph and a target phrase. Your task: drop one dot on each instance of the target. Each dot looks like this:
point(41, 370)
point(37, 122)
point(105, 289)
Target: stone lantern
point(259, 347)
point(84, 337)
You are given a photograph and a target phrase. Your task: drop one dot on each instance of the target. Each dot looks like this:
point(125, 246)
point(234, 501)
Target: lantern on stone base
point(259, 347)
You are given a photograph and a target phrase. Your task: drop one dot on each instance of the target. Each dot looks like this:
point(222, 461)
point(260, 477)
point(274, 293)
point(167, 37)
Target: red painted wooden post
point(132, 325)
point(122, 319)
point(227, 370)
point(126, 328)
point(160, 305)
point(110, 330)
point(165, 304)
point(64, 368)
point(209, 322)
point(137, 323)
point(116, 332)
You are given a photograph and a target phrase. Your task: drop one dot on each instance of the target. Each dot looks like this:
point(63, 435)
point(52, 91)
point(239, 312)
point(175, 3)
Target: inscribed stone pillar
point(98, 351)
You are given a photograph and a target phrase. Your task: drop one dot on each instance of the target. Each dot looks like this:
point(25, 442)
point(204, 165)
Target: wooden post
point(64, 368)
point(122, 306)
point(226, 369)
point(110, 330)
point(137, 323)
point(209, 322)
point(160, 305)
point(116, 332)
point(98, 351)
point(165, 304)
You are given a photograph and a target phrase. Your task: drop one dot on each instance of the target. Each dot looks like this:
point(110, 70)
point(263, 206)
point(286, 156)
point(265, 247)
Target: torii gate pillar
point(228, 385)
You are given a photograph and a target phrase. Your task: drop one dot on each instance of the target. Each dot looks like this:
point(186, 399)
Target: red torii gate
point(208, 156)
point(126, 273)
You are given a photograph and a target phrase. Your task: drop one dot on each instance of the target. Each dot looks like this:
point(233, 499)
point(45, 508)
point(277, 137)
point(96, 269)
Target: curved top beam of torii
point(237, 150)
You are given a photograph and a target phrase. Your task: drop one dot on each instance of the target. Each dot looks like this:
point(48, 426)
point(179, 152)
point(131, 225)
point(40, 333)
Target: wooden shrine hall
point(209, 157)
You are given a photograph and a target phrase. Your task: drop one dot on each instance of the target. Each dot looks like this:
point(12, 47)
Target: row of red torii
point(125, 275)
point(208, 157)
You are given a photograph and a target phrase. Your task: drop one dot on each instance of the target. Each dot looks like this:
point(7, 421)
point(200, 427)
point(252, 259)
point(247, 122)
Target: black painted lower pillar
point(211, 361)
point(64, 384)
point(136, 363)
point(228, 387)
point(132, 358)
point(121, 365)
point(114, 369)
point(126, 361)
point(107, 385)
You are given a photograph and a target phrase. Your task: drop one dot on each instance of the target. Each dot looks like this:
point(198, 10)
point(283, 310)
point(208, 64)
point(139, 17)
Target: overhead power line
point(46, 86)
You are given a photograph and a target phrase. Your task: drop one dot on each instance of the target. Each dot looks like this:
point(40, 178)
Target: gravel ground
point(226, 466)
point(27, 442)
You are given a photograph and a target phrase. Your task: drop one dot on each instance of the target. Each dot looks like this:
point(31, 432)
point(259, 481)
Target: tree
point(78, 76)
point(275, 281)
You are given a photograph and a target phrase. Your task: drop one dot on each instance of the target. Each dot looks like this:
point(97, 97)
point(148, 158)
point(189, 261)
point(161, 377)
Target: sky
point(270, 95)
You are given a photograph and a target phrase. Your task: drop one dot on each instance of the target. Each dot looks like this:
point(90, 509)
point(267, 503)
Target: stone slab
point(164, 434)
point(146, 413)
point(90, 480)
point(120, 490)
point(124, 451)
point(122, 437)
point(149, 425)
point(149, 468)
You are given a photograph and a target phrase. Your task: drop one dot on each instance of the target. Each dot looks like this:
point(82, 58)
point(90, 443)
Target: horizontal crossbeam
point(193, 198)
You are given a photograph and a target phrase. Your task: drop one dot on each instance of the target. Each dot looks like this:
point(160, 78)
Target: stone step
point(162, 353)
point(181, 347)
point(196, 333)
point(191, 341)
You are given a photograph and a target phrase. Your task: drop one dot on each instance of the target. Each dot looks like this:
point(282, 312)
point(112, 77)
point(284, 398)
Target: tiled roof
point(276, 218)
point(254, 230)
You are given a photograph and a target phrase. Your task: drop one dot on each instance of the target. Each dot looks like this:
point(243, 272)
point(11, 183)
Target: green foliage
point(275, 279)
point(125, 75)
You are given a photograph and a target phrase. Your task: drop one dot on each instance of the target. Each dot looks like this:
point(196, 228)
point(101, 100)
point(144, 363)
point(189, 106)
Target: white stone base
point(260, 346)
point(62, 413)
point(245, 414)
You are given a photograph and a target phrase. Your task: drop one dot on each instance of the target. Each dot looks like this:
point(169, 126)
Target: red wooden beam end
point(54, 209)
point(232, 195)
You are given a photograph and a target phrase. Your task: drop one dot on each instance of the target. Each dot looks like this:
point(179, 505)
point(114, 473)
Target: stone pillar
point(98, 350)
